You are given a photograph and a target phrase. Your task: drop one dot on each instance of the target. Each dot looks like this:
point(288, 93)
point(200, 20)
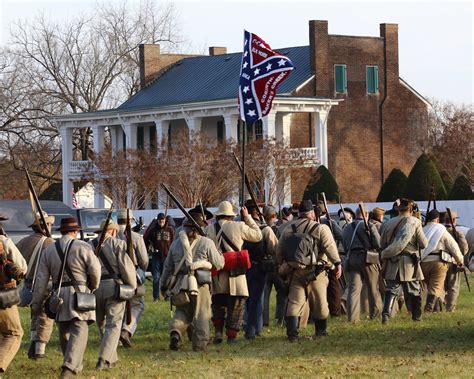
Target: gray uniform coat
point(401, 237)
point(85, 267)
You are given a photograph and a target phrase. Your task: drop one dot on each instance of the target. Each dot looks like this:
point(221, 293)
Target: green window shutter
point(341, 78)
point(372, 79)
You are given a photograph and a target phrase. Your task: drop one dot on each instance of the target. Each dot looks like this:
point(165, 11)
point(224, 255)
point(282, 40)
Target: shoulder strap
point(220, 233)
point(63, 258)
point(104, 260)
point(39, 252)
point(353, 236)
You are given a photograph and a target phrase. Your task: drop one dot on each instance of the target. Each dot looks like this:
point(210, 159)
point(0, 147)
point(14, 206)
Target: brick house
point(344, 105)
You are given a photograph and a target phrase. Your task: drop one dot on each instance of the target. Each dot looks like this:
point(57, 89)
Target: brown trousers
point(10, 335)
point(435, 275)
point(314, 292)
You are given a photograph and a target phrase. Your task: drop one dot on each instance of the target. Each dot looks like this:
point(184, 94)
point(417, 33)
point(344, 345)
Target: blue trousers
point(156, 269)
point(254, 307)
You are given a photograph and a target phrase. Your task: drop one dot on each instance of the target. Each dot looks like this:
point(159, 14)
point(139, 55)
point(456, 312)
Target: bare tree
point(451, 134)
point(80, 65)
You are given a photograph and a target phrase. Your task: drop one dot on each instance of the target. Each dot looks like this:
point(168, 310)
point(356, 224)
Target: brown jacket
point(327, 249)
point(237, 232)
point(85, 267)
point(27, 246)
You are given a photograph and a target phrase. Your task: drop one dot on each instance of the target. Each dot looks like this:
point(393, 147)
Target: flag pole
point(244, 133)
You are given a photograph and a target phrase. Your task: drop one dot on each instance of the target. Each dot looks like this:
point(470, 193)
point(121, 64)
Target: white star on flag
point(257, 71)
point(246, 89)
point(248, 101)
point(251, 113)
point(246, 53)
point(245, 64)
point(269, 66)
point(281, 62)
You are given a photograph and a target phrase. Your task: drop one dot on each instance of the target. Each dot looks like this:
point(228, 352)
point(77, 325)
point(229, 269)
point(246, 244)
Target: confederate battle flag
point(262, 71)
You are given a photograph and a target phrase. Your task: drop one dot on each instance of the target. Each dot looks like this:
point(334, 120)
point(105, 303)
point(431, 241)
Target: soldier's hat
point(305, 206)
point(378, 211)
point(404, 204)
point(3, 218)
point(37, 222)
point(196, 217)
point(225, 209)
point(69, 224)
point(111, 226)
point(197, 210)
point(122, 214)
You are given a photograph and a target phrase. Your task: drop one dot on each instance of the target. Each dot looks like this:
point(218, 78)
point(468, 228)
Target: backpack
point(300, 247)
point(257, 250)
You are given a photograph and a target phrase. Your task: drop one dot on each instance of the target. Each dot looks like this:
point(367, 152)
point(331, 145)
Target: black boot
point(438, 307)
point(415, 303)
point(174, 341)
point(430, 303)
point(389, 300)
point(321, 327)
point(31, 350)
point(292, 328)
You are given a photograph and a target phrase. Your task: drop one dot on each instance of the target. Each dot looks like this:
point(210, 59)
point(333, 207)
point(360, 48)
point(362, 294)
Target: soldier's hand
point(244, 212)
point(338, 271)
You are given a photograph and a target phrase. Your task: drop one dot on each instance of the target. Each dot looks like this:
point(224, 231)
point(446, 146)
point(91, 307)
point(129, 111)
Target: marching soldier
point(140, 261)
point(308, 282)
point(257, 274)
point(32, 248)
point(273, 279)
point(80, 269)
point(117, 269)
point(13, 267)
point(436, 258)
point(230, 292)
point(335, 291)
point(401, 239)
point(190, 259)
point(356, 244)
point(453, 276)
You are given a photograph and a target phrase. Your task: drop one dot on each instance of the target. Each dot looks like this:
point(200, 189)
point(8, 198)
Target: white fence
point(464, 208)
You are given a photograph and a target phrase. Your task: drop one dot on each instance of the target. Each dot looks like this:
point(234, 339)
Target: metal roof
point(207, 78)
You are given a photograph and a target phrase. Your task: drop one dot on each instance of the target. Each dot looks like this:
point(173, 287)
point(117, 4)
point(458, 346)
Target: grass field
point(441, 346)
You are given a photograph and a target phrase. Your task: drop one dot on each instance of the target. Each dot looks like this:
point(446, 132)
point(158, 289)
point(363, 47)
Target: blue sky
point(435, 37)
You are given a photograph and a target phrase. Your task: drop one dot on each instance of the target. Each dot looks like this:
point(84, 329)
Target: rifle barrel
point(44, 226)
point(185, 212)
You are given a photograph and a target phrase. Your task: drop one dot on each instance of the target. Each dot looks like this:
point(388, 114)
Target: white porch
point(218, 119)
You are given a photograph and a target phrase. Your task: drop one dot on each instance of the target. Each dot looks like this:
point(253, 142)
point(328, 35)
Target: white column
point(230, 123)
point(66, 146)
point(194, 126)
point(130, 135)
point(269, 121)
point(162, 128)
point(98, 136)
point(319, 124)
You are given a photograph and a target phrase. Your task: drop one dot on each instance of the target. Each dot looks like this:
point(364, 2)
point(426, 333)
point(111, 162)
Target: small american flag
point(74, 200)
point(262, 71)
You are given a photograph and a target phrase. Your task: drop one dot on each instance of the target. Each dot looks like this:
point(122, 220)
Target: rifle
point(35, 204)
point(366, 224)
point(128, 235)
point(431, 199)
point(342, 210)
point(456, 238)
point(185, 212)
point(103, 232)
point(327, 212)
point(249, 188)
point(202, 210)
point(316, 209)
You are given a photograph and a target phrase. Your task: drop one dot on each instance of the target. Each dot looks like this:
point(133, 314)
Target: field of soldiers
point(438, 347)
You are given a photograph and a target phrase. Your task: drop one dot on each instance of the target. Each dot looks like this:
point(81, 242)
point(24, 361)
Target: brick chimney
point(389, 33)
point(217, 50)
point(319, 51)
point(149, 63)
